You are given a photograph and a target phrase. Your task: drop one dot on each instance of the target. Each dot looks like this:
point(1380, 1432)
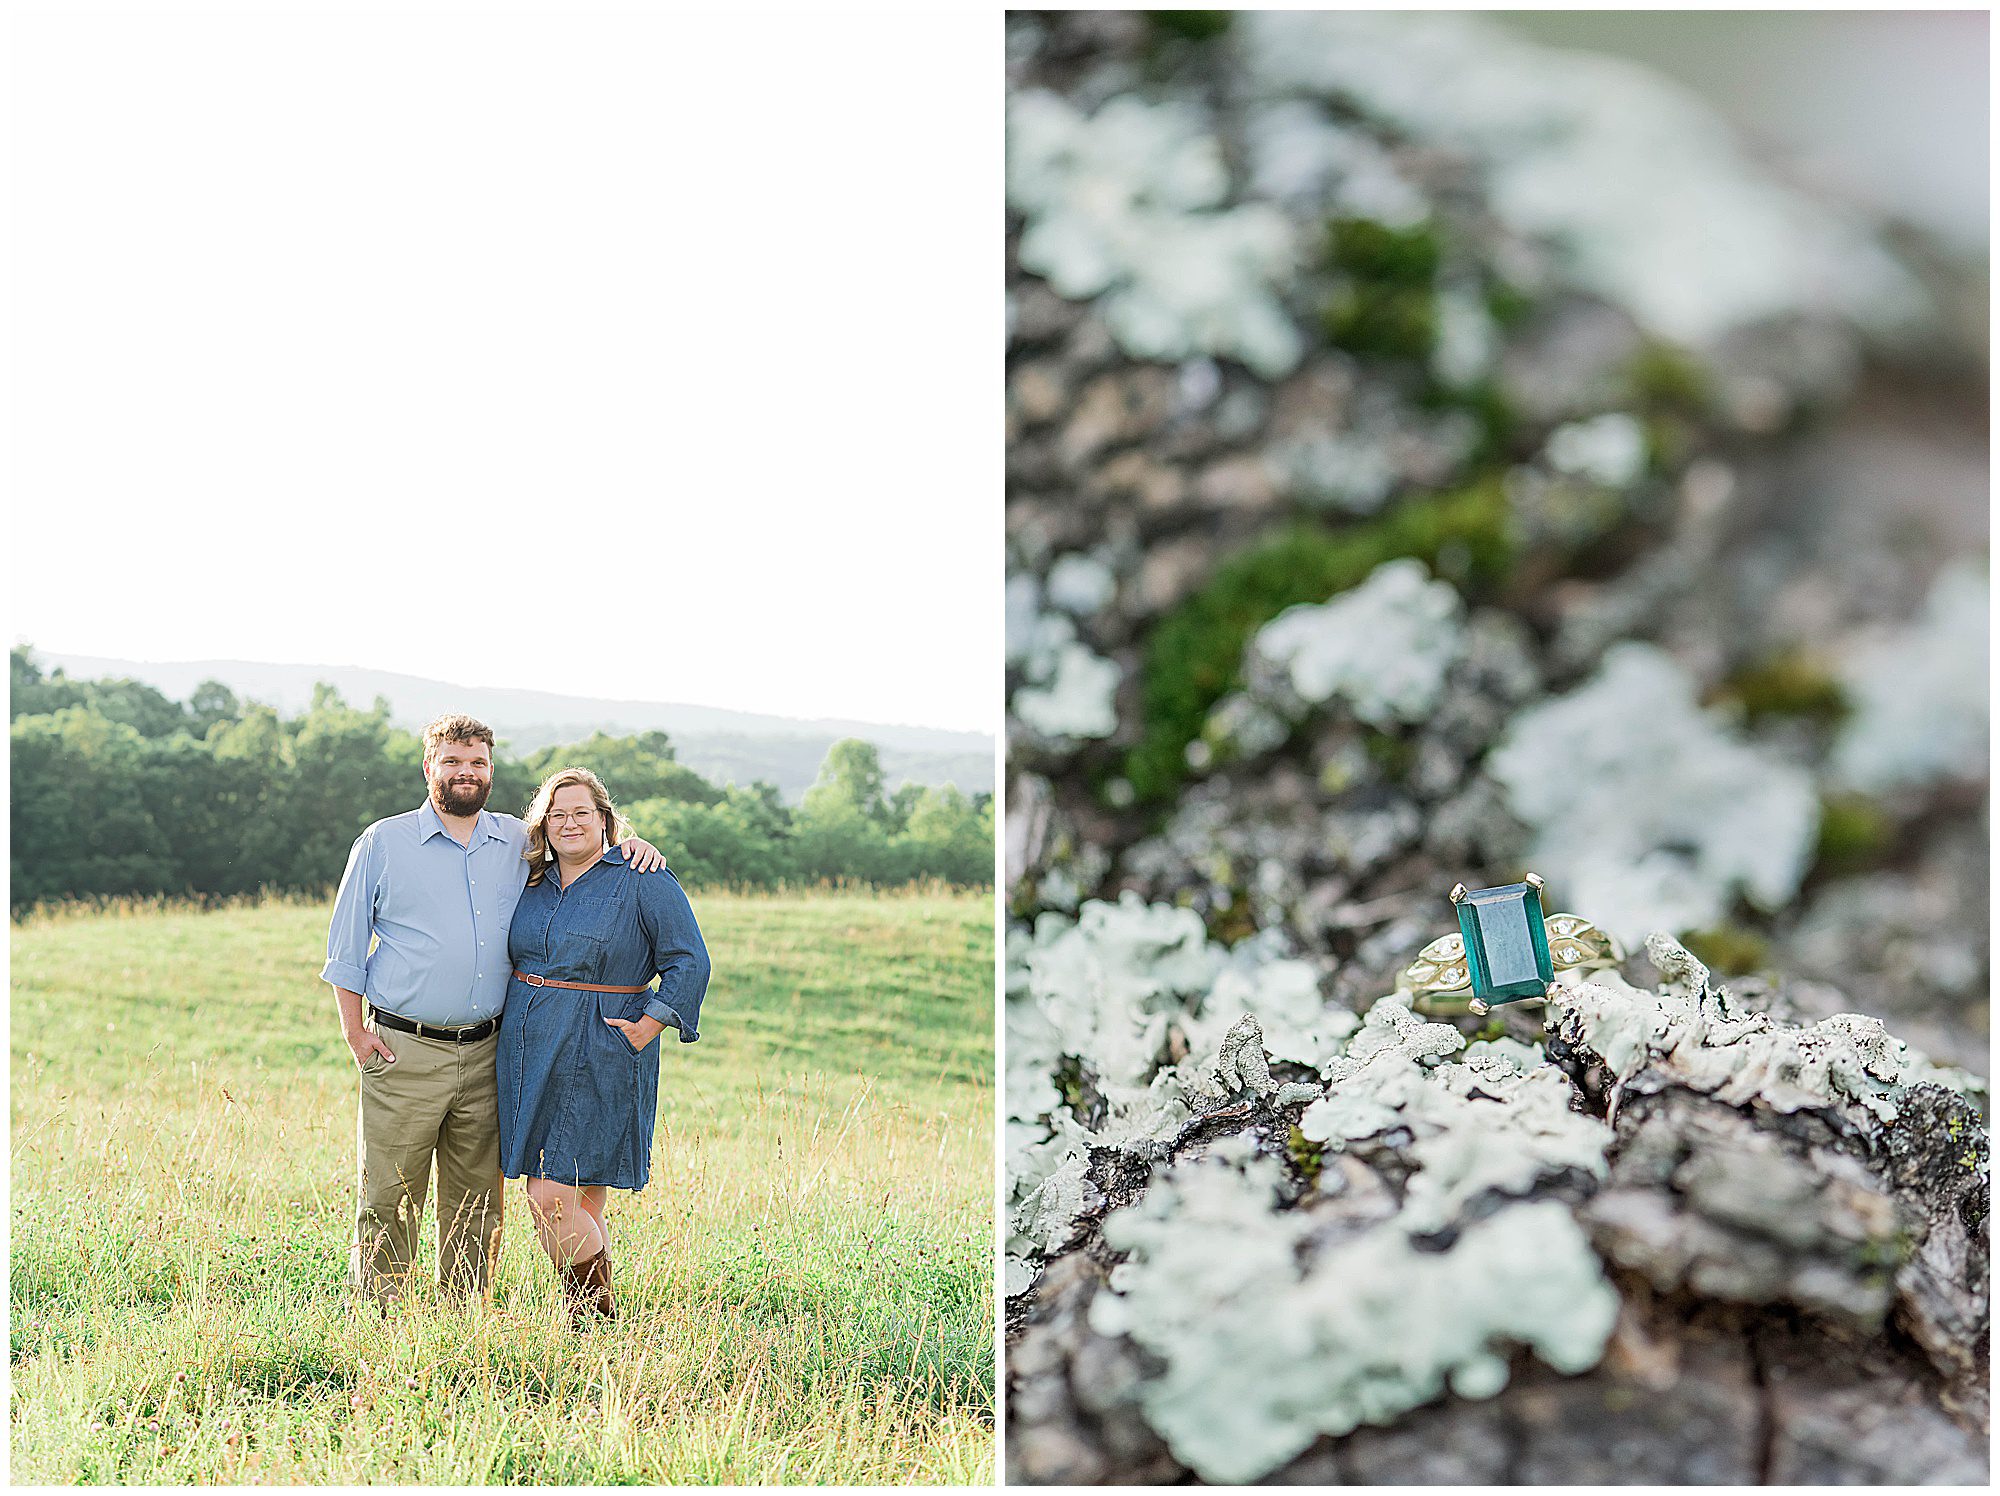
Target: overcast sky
point(619, 355)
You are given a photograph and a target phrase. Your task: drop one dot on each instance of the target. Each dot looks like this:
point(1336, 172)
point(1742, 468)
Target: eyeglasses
point(564, 817)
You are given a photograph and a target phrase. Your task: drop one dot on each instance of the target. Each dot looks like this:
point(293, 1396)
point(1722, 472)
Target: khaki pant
point(438, 1100)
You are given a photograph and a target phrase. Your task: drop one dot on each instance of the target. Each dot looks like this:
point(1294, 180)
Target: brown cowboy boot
point(587, 1289)
point(599, 1268)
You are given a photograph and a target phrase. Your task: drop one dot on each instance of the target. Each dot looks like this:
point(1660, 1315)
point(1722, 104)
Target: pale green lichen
point(1609, 449)
point(1076, 699)
point(1159, 1020)
point(1067, 690)
point(1045, 1218)
point(1242, 1073)
point(1128, 206)
point(1623, 174)
point(1277, 1311)
point(1080, 585)
point(1702, 1038)
point(1498, 1122)
point(1392, 1029)
point(1282, 996)
point(1920, 693)
point(1269, 1338)
point(1382, 648)
point(1108, 981)
point(1646, 810)
point(1301, 157)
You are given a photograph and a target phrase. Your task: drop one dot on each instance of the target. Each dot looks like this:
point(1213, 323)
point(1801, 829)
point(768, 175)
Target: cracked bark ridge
point(1803, 1300)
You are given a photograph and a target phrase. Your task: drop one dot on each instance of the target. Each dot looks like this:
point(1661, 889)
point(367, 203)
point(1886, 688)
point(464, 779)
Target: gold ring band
point(1439, 980)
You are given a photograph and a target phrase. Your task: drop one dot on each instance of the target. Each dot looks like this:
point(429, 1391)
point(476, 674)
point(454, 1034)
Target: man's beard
point(460, 800)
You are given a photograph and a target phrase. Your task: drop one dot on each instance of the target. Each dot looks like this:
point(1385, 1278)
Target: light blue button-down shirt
point(438, 912)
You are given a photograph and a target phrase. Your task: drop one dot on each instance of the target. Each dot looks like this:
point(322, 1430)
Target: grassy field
point(806, 1283)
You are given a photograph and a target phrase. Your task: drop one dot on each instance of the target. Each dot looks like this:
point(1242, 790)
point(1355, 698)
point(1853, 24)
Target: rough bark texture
point(1803, 1300)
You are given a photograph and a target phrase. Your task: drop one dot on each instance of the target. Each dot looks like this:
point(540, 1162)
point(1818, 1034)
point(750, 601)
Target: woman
point(579, 1068)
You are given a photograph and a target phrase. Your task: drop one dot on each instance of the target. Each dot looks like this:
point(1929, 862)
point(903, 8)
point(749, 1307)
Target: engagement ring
point(1505, 951)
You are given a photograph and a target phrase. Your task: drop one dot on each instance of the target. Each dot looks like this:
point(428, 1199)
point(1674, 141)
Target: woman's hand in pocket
point(638, 1032)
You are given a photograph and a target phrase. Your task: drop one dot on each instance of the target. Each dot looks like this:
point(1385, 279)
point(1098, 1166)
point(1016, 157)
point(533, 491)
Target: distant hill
point(725, 746)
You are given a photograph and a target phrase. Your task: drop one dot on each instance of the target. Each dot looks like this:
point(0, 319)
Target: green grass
point(806, 1283)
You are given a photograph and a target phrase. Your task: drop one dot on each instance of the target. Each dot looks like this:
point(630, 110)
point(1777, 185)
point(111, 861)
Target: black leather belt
point(469, 1035)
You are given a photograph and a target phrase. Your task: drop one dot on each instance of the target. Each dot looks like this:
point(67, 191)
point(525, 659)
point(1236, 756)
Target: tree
point(850, 778)
point(345, 779)
point(765, 808)
point(80, 823)
point(729, 843)
point(949, 838)
point(140, 706)
point(641, 767)
point(31, 694)
point(211, 703)
point(119, 790)
point(903, 800)
point(207, 811)
point(258, 779)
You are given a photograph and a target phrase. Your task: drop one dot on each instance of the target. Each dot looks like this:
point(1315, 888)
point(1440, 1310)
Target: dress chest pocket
point(587, 940)
point(597, 920)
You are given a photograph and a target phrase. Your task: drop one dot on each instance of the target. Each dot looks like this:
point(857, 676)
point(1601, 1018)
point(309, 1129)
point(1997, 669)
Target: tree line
point(119, 790)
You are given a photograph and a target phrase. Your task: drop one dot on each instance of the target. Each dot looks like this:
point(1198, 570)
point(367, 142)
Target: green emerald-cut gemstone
point(1505, 945)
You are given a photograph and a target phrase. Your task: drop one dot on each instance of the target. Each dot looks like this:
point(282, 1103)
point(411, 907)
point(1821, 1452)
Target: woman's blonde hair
point(537, 814)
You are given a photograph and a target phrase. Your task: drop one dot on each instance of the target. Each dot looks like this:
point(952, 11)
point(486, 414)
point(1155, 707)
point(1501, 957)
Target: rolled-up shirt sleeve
point(678, 953)
point(353, 921)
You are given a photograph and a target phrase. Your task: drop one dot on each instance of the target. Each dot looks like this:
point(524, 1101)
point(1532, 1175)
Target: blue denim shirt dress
point(577, 1102)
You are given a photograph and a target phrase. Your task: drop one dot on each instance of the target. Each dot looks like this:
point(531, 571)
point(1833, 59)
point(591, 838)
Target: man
point(436, 886)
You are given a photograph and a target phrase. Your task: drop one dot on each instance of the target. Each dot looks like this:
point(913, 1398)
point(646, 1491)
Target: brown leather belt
point(579, 986)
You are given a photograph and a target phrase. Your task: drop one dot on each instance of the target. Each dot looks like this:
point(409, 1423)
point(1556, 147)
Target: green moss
point(1236, 923)
point(1068, 1080)
point(1391, 324)
point(1307, 1156)
point(1665, 378)
point(1383, 256)
point(1385, 304)
point(1728, 950)
point(1506, 305)
point(1195, 653)
point(1886, 1252)
point(1489, 408)
point(1335, 777)
point(1790, 684)
point(1854, 835)
point(1673, 395)
point(1669, 442)
point(1583, 513)
point(1190, 25)
point(1391, 754)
